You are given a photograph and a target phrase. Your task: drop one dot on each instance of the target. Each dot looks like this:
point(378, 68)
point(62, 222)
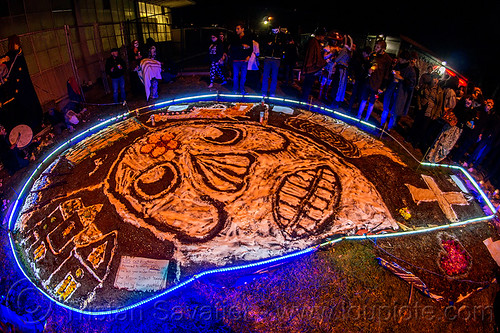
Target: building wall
point(94, 27)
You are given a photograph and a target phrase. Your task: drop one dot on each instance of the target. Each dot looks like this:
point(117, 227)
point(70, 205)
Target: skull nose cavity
point(157, 181)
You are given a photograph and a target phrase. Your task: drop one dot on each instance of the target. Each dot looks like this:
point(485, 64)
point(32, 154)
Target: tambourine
point(22, 134)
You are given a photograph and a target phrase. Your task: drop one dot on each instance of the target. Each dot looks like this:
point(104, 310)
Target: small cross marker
point(433, 193)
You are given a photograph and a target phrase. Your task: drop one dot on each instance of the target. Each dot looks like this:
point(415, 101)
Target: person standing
point(152, 54)
point(253, 73)
point(272, 50)
point(115, 68)
point(19, 103)
point(358, 67)
point(290, 56)
point(225, 56)
point(454, 121)
point(405, 80)
point(313, 62)
point(491, 129)
point(425, 128)
point(378, 73)
point(134, 60)
point(330, 52)
point(465, 113)
point(339, 73)
point(216, 56)
point(240, 50)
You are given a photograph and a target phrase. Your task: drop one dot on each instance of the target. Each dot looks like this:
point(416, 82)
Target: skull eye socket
point(157, 181)
point(224, 136)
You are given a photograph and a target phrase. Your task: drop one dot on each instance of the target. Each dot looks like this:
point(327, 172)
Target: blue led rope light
point(264, 262)
point(469, 177)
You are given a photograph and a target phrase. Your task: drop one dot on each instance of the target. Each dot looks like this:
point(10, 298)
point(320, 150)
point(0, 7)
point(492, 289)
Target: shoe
point(211, 85)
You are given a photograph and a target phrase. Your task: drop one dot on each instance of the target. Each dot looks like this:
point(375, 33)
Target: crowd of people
point(449, 121)
point(239, 59)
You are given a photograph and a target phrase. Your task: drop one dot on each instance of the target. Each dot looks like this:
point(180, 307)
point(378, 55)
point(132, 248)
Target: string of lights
point(47, 160)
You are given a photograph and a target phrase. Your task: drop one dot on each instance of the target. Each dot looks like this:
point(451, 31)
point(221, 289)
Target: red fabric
point(74, 85)
point(313, 60)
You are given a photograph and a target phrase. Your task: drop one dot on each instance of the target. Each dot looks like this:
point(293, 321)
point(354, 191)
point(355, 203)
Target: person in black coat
point(115, 68)
point(19, 103)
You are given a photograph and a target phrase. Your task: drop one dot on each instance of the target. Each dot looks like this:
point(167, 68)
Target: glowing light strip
point(410, 232)
point(177, 286)
point(472, 180)
point(265, 262)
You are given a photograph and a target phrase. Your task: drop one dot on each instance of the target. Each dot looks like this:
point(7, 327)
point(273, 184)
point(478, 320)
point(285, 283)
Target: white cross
point(444, 199)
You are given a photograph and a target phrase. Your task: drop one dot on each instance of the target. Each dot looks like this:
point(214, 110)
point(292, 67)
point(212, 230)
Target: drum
point(24, 133)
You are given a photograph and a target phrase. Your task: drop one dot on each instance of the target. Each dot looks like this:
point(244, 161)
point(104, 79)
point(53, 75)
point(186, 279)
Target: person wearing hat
point(115, 68)
point(313, 62)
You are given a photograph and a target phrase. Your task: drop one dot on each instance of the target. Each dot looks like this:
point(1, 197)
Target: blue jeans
point(389, 97)
point(369, 94)
point(392, 118)
point(271, 68)
point(118, 83)
point(483, 148)
point(239, 70)
point(307, 86)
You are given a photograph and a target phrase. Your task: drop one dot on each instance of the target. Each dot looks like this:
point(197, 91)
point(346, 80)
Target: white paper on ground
point(179, 107)
point(141, 274)
point(283, 109)
point(494, 248)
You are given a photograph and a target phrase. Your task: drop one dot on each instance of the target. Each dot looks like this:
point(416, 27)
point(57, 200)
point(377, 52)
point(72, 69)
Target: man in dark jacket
point(313, 62)
point(19, 103)
point(272, 48)
point(240, 50)
point(115, 68)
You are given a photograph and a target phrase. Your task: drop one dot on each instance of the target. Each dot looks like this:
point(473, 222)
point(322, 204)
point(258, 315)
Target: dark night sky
point(464, 35)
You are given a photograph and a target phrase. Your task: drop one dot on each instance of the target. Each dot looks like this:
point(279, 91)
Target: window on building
point(4, 8)
point(155, 21)
point(106, 4)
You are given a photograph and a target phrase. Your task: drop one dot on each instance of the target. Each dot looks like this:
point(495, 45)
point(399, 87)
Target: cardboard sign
point(141, 274)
